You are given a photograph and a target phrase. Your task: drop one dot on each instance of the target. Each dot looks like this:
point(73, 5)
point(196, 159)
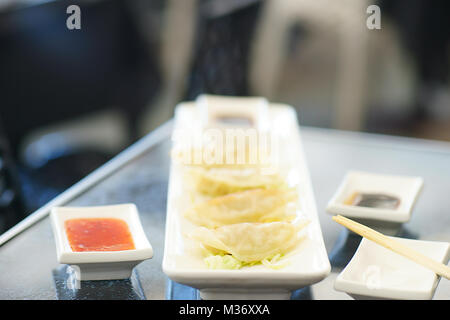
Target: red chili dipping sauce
point(98, 234)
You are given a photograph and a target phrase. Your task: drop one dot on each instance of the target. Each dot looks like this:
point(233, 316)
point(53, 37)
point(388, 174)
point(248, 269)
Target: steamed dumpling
point(258, 205)
point(251, 242)
point(221, 181)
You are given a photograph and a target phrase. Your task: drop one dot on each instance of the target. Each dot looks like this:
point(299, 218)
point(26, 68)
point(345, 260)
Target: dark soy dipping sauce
point(373, 200)
point(235, 121)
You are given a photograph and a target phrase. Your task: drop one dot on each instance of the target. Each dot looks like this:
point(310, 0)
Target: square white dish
point(307, 266)
point(378, 273)
point(101, 265)
point(385, 220)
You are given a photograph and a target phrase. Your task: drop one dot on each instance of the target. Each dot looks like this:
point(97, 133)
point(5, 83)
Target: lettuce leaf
point(229, 262)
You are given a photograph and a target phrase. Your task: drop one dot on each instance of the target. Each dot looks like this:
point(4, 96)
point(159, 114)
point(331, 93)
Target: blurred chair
point(346, 19)
point(424, 32)
point(175, 55)
point(105, 131)
point(11, 208)
point(71, 99)
point(204, 49)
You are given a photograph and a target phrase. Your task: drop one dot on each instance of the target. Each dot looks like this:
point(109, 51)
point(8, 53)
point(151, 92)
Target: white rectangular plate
point(308, 265)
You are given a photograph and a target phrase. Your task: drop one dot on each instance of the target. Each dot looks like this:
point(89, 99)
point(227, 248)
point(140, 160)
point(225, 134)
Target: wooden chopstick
point(391, 244)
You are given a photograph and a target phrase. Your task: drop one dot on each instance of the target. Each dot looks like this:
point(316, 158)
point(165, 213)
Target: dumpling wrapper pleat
point(252, 242)
point(258, 205)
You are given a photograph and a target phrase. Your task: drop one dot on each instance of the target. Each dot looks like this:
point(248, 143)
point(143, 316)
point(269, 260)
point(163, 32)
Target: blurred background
point(72, 99)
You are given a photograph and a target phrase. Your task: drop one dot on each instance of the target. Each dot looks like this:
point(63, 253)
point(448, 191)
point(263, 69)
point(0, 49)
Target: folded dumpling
point(221, 181)
point(251, 242)
point(257, 205)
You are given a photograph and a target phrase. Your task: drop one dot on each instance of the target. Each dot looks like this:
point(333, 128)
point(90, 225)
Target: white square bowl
point(407, 189)
point(101, 265)
point(378, 273)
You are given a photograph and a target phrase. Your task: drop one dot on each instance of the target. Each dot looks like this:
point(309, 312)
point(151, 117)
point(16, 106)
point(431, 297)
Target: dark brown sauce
point(373, 200)
point(234, 121)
